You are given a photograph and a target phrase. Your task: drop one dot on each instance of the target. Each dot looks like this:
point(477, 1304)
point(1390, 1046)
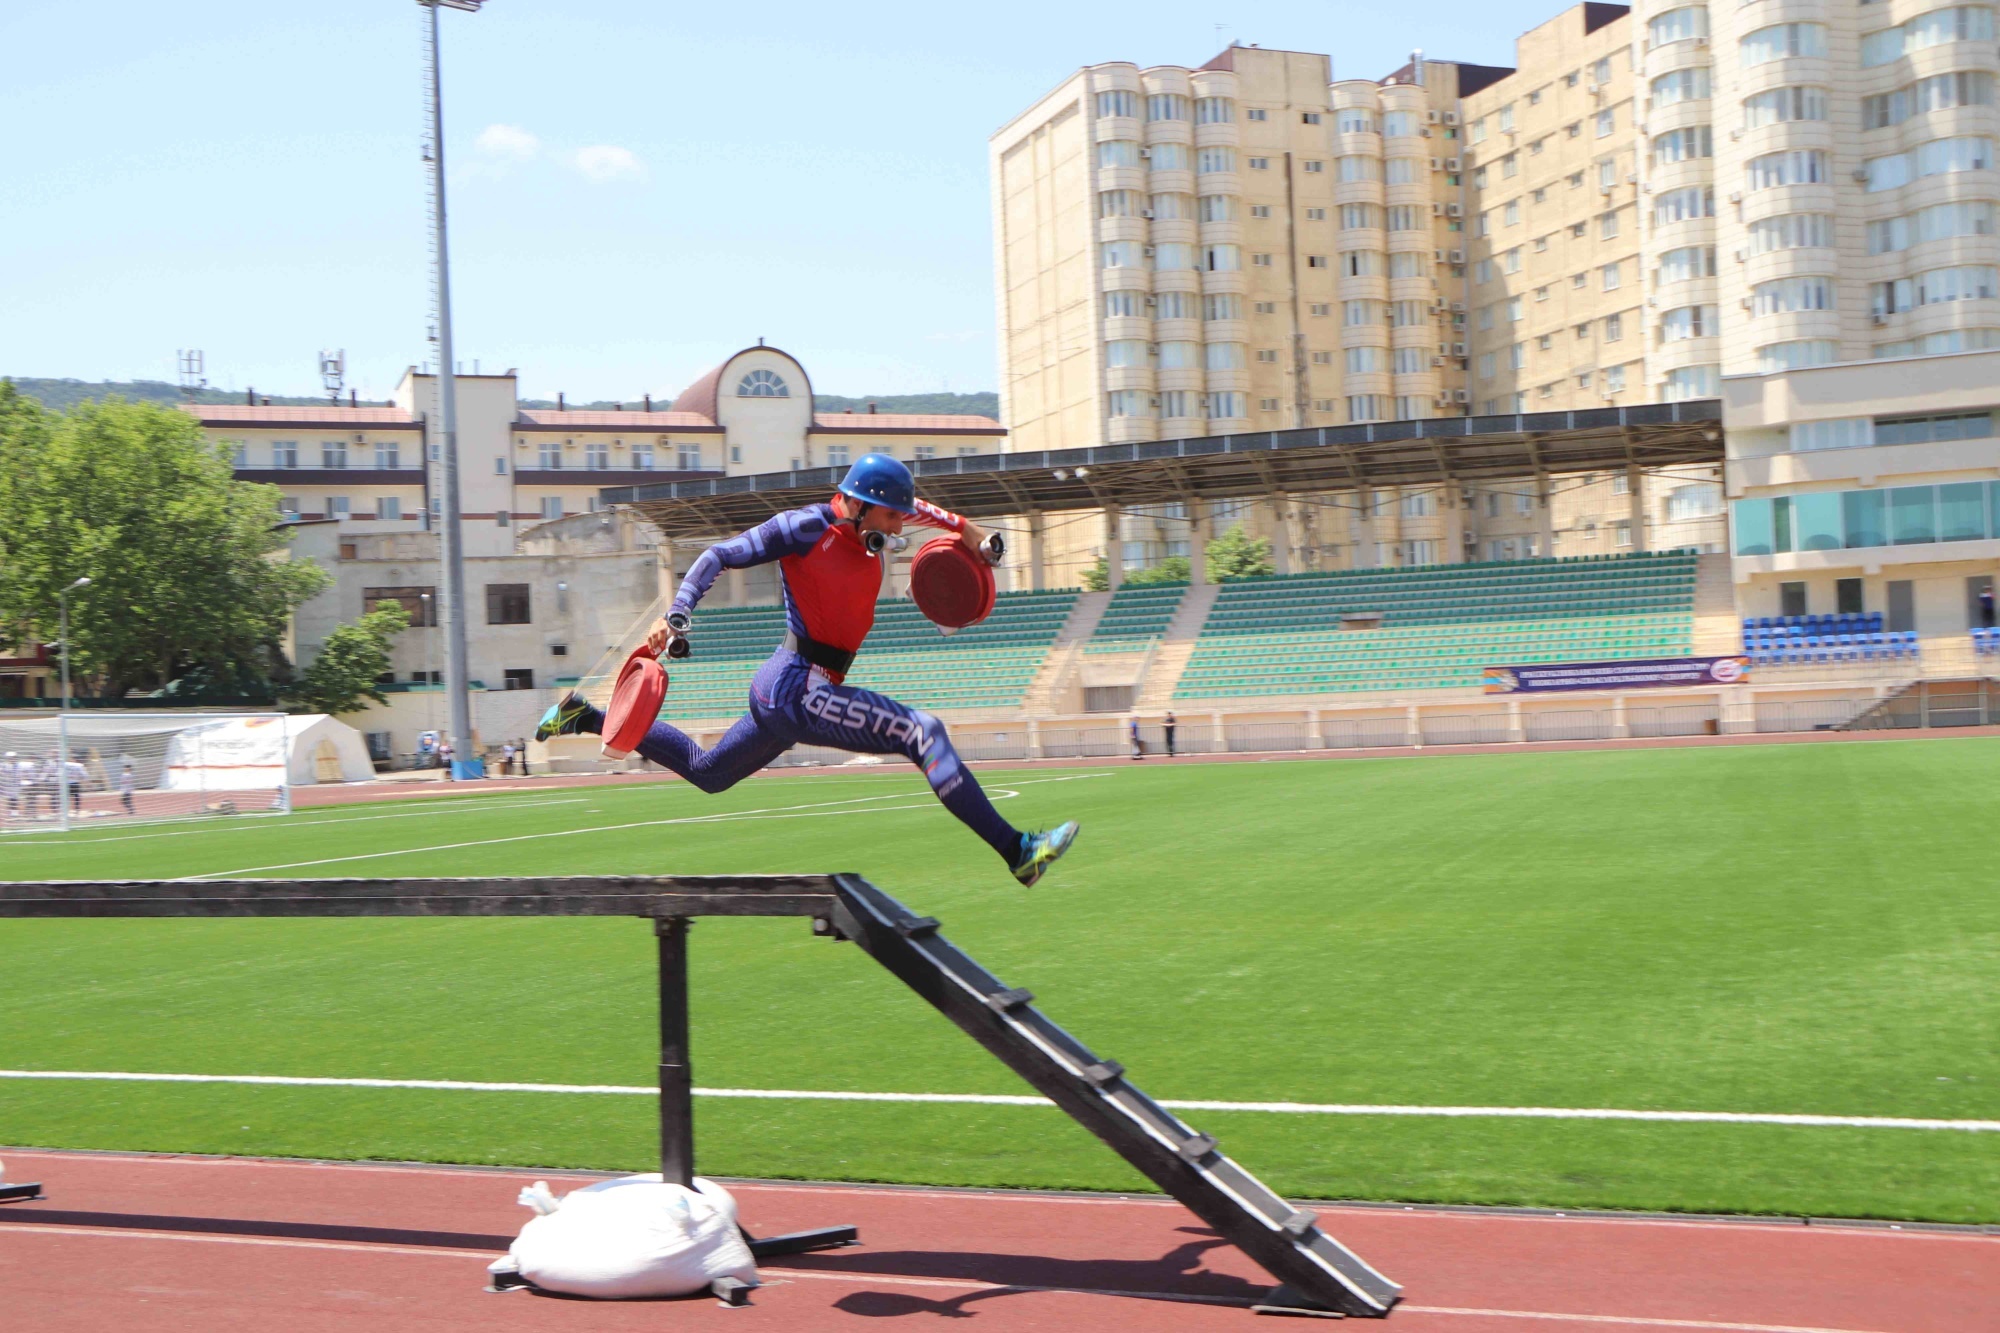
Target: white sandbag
point(631, 1237)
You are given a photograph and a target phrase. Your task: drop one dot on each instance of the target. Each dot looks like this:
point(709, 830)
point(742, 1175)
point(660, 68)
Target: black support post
point(676, 1078)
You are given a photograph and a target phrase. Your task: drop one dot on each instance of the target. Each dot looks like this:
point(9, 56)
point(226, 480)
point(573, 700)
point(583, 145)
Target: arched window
point(762, 384)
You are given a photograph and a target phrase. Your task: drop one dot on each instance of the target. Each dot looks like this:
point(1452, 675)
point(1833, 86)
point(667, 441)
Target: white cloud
point(602, 163)
point(507, 142)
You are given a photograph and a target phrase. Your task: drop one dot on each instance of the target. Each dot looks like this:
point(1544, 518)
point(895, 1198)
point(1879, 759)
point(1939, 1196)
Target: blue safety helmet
point(878, 479)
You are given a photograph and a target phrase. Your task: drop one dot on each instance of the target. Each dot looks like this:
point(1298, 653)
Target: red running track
point(142, 1243)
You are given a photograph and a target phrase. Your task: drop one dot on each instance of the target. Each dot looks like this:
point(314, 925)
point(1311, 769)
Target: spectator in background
point(1169, 725)
point(444, 760)
point(126, 782)
point(10, 784)
point(1986, 607)
point(1132, 730)
point(507, 759)
point(74, 774)
point(522, 750)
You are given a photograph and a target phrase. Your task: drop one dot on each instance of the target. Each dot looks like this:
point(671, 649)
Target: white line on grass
point(457, 807)
point(1006, 1099)
point(776, 811)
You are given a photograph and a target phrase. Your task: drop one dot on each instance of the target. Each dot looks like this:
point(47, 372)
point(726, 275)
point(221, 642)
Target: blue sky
point(637, 189)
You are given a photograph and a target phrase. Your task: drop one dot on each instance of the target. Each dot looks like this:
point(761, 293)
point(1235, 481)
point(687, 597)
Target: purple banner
point(1618, 675)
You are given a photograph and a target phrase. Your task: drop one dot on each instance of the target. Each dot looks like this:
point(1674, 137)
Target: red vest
point(834, 588)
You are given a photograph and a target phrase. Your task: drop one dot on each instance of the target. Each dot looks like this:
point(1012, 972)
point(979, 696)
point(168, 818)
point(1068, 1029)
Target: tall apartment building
point(1251, 246)
point(1823, 253)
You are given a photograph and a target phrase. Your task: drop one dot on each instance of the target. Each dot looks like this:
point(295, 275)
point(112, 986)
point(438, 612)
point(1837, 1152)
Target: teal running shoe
point(1039, 851)
point(563, 717)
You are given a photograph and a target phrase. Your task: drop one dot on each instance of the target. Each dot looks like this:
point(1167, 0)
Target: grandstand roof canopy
point(1432, 451)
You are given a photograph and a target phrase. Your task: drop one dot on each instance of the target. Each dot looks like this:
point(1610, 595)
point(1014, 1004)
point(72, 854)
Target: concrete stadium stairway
point(1051, 680)
point(1163, 673)
point(1718, 627)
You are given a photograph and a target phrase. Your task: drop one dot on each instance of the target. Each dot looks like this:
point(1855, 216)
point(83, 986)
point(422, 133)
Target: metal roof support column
point(1281, 531)
point(1363, 528)
point(1038, 556)
point(1635, 483)
point(1451, 522)
point(1545, 517)
point(1198, 534)
point(1114, 549)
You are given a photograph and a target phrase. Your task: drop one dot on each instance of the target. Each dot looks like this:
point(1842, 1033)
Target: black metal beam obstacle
point(1317, 1273)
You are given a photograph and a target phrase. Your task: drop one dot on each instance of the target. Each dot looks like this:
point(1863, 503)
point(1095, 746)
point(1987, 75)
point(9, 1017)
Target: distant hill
point(935, 404)
point(61, 395)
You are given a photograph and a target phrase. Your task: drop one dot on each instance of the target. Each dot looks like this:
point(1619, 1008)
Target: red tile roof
point(635, 420)
point(243, 414)
point(905, 422)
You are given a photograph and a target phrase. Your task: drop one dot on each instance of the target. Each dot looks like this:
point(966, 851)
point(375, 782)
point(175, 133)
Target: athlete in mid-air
point(830, 557)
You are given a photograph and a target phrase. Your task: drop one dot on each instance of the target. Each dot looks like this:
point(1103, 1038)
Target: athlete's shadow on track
point(1178, 1273)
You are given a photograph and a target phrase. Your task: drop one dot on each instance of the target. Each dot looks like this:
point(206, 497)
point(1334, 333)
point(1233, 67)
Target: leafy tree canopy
point(351, 662)
point(1237, 555)
point(187, 565)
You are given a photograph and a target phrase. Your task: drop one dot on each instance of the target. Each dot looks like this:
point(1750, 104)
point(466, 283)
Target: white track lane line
point(1008, 1099)
point(299, 820)
point(857, 1279)
point(778, 811)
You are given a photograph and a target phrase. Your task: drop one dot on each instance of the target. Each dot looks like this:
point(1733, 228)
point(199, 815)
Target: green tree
point(1237, 555)
point(1098, 577)
point(1173, 569)
point(351, 662)
point(189, 568)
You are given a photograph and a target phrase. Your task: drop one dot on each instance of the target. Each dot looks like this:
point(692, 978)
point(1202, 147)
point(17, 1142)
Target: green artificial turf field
point(1789, 929)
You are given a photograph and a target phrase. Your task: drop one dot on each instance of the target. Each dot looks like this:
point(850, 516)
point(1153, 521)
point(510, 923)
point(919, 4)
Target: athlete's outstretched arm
point(790, 533)
point(974, 536)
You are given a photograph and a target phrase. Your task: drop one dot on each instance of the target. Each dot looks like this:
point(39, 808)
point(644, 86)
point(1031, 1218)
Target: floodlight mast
point(451, 602)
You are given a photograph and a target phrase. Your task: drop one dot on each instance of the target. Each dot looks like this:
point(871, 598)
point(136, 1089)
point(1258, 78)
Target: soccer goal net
point(67, 770)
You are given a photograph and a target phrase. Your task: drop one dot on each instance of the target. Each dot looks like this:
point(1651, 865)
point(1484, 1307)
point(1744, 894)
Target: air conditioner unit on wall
point(1451, 164)
point(1457, 256)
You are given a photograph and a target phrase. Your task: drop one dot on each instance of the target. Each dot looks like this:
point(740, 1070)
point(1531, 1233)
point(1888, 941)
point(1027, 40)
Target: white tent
point(251, 752)
point(324, 749)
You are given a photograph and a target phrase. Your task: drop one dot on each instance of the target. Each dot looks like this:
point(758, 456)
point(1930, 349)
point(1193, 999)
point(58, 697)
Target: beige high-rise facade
point(1252, 246)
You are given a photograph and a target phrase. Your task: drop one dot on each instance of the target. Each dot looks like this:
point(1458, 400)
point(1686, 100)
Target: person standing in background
point(521, 748)
point(126, 782)
point(1132, 732)
point(507, 759)
point(1168, 723)
point(1986, 608)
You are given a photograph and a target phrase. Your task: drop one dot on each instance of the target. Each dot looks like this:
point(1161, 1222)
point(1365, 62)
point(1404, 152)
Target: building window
point(597, 455)
point(1166, 106)
point(1268, 356)
point(507, 604)
point(1126, 403)
point(762, 384)
point(1614, 379)
point(1256, 113)
point(1312, 164)
point(1214, 110)
point(1209, 161)
point(1227, 406)
point(1319, 308)
point(1256, 210)
point(1607, 225)
point(642, 458)
point(552, 507)
point(284, 453)
point(551, 456)
point(336, 506)
point(1260, 164)
point(1614, 328)
point(1781, 41)
point(687, 457)
point(388, 507)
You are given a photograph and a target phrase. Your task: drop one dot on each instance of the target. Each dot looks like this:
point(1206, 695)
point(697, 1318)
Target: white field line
point(776, 811)
point(1006, 1099)
point(296, 822)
